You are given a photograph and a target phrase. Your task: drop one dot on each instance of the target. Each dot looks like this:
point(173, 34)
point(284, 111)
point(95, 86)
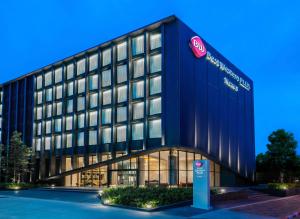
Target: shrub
point(281, 186)
point(16, 185)
point(146, 197)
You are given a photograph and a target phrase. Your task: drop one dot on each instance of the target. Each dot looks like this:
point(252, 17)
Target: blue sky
point(259, 37)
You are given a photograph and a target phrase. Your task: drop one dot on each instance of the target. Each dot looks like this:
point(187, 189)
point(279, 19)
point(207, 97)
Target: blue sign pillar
point(201, 189)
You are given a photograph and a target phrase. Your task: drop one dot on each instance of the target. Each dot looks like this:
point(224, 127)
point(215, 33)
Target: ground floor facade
point(160, 168)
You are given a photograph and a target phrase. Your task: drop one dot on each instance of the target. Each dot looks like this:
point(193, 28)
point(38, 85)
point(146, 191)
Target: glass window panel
point(155, 63)
point(138, 110)
point(106, 57)
point(155, 85)
point(93, 100)
point(121, 114)
point(80, 120)
point(121, 133)
point(39, 82)
point(122, 51)
point(155, 40)
point(93, 82)
point(81, 86)
point(106, 135)
point(80, 139)
point(106, 78)
point(155, 106)
point(80, 103)
point(106, 116)
point(154, 161)
point(47, 143)
point(58, 92)
point(138, 89)
point(38, 144)
point(39, 97)
point(155, 128)
point(138, 67)
point(69, 106)
point(49, 94)
point(138, 131)
point(122, 94)
point(164, 160)
point(57, 125)
point(69, 123)
point(121, 73)
point(106, 99)
point(81, 66)
point(58, 142)
point(93, 137)
point(182, 160)
point(70, 71)
point(48, 78)
point(190, 160)
point(93, 62)
point(70, 88)
point(182, 178)
point(39, 128)
point(48, 127)
point(93, 116)
point(39, 111)
point(49, 111)
point(69, 140)
point(58, 75)
point(138, 45)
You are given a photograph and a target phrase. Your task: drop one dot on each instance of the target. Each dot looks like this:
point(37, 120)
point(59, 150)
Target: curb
point(295, 214)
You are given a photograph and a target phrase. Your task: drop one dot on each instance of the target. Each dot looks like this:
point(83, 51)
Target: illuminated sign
point(197, 47)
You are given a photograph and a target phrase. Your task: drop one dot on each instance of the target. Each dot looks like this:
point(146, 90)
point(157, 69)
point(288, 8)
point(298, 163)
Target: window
point(93, 82)
point(122, 94)
point(155, 85)
point(121, 114)
point(106, 99)
point(106, 116)
point(59, 92)
point(106, 57)
point(138, 68)
point(155, 106)
point(48, 79)
point(80, 139)
point(122, 51)
point(48, 127)
point(138, 110)
point(106, 78)
point(49, 111)
point(39, 113)
point(155, 40)
point(39, 128)
point(80, 120)
point(93, 62)
point(80, 66)
point(69, 140)
point(155, 128)
point(121, 73)
point(80, 103)
point(138, 89)
point(93, 137)
point(93, 100)
point(70, 71)
point(81, 86)
point(57, 141)
point(39, 82)
point(138, 45)
point(49, 94)
point(106, 135)
point(57, 127)
point(38, 144)
point(69, 106)
point(39, 97)
point(70, 87)
point(138, 131)
point(47, 143)
point(121, 133)
point(69, 123)
point(155, 63)
point(58, 75)
point(93, 117)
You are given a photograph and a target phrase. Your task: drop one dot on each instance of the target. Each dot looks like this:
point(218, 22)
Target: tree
point(18, 159)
